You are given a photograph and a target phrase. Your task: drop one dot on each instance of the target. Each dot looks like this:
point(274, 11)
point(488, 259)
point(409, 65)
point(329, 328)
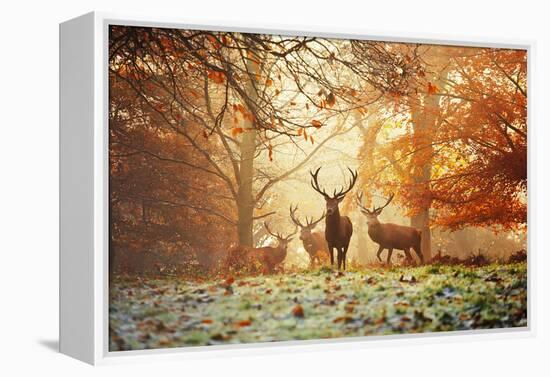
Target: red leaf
point(230, 280)
point(244, 323)
point(298, 311)
point(315, 123)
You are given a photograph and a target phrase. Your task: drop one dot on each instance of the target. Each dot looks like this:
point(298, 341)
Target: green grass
point(168, 312)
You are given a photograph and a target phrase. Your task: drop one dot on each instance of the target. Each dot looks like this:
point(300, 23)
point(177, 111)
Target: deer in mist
point(390, 236)
point(268, 257)
point(314, 242)
point(338, 229)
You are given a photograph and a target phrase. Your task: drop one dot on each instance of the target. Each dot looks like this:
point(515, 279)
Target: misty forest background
point(213, 133)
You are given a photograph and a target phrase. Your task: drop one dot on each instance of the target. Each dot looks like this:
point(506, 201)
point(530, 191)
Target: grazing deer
point(268, 257)
point(314, 242)
point(390, 236)
point(338, 229)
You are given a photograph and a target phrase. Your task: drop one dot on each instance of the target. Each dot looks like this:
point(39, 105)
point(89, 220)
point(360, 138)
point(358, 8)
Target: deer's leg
point(419, 253)
point(345, 252)
point(408, 255)
point(341, 258)
point(331, 250)
point(380, 248)
point(390, 251)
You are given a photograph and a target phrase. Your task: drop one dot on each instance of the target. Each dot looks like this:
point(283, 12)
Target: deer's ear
point(340, 199)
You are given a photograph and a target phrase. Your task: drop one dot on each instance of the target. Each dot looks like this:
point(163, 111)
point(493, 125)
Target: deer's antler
point(378, 210)
point(340, 194)
point(315, 183)
point(359, 200)
point(350, 186)
point(311, 223)
point(293, 217)
point(276, 235)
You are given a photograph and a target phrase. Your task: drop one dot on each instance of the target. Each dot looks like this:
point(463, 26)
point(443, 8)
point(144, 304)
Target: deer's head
point(371, 214)
point(307, 228)
point(332, 201)
point(283, 240)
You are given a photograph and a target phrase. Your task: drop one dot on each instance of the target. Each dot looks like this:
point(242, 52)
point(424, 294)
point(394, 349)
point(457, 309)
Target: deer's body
point(314, 243)
point(338, 232)
point(391, 236)
point(338, 229)
point(316, 247)
point(267, 258)
point(273, 257)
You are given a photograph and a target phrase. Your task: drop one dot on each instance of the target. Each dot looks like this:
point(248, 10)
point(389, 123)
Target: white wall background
point(29, 185)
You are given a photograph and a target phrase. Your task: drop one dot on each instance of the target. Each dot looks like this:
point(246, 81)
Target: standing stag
point(314, 242)
point(267, 257)
point(338, 229)
point(390, 236)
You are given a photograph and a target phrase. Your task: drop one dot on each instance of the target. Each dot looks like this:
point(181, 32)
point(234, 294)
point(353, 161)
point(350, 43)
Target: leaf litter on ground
point(167, 312)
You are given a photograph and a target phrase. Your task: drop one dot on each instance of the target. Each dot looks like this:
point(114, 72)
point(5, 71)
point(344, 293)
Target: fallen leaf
point(244, 323)
point(298, 311)
point(230, 280)
point(344, 319)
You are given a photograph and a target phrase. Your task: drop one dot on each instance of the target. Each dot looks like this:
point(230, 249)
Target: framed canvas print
point(226, 187)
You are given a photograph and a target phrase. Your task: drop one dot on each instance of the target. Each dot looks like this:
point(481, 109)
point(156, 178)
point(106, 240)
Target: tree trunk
point(425, 114)
point(245, 193)
point(423, 127)
point(245, 200)
point(421, 221)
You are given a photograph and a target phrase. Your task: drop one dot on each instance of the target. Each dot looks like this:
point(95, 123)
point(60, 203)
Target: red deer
point(390, 236)
point(268, 258)
point(338, 229)
point(314, 242)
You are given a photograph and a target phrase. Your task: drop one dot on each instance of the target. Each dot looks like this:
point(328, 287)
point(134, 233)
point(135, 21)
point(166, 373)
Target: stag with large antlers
point(390, 236)
point(314, 242)
point(338, 229)
point(267, 257)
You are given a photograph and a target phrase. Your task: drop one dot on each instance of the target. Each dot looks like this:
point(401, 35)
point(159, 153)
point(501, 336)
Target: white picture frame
point(84, 192)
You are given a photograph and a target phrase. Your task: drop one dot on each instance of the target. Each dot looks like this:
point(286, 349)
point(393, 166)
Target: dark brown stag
point(390, 236)
point(314, 242)
point(267, 258)
point(338, 229)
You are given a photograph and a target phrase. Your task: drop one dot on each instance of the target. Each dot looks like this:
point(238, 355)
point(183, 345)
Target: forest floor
point(170, 312)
